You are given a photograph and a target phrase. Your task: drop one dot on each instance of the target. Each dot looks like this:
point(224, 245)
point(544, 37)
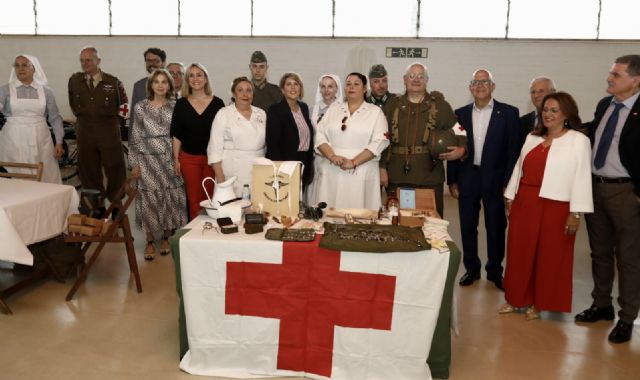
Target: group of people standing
point(541, 174)
point(538, 174)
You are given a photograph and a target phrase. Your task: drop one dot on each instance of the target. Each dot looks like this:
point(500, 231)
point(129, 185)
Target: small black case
point(250, 228)
point(229, 228)
point(254, 218)
point(226, 225)
point(224, 221)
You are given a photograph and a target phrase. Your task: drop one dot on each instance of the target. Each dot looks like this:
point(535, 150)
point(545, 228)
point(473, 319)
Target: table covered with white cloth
point(256, 308)
point(31, 212)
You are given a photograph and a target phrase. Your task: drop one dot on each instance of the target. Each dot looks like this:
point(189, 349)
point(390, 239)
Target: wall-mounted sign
point(406, 52)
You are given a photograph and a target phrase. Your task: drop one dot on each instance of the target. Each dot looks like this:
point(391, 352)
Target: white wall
point(579, 67)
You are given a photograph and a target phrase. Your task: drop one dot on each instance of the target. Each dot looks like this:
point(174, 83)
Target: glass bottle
point(393, 205)
point(246, 193)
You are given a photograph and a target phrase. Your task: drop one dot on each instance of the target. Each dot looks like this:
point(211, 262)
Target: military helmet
point(440, 140)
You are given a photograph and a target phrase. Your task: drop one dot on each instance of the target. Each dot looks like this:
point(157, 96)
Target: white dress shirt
point(480, 119)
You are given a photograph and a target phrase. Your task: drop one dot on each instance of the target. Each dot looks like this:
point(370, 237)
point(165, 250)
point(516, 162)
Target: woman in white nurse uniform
point(27, 104)
point(237, 137)
point(350, 137)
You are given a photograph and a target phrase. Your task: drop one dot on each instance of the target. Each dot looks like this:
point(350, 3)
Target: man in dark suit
point(538, 89)
point(614, 226)
point(492, 145)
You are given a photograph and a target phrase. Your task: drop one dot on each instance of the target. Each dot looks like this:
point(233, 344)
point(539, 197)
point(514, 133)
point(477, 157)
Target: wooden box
point(417, 202)
point(263, 190)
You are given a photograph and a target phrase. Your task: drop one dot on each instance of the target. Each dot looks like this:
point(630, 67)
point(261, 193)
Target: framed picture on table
point(407, 197)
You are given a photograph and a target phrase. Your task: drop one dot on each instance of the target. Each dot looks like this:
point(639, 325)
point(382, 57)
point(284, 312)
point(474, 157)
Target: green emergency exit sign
point(406, 52)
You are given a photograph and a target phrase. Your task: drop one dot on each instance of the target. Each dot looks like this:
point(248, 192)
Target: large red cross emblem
point(310, 296)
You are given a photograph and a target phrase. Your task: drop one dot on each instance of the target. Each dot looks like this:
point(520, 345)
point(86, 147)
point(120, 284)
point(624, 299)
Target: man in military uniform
point(154, 58)
point(415, 119)
point(98, 100)
point(379, 93)
point(264, 93)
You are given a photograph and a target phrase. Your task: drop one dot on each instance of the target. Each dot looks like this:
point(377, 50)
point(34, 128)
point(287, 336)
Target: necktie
point(607, 136)
point(91, 85)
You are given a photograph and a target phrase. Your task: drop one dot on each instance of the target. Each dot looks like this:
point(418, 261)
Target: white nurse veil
point(339, 93)
point(38, 76)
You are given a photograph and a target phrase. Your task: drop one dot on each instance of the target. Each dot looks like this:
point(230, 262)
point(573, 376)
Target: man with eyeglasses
point(493, 134)
point(538, 89)
point(154, 58)
point(379, 93)
point(177, 70)
point(614, 226)
point(264, 93)
point(414, 119)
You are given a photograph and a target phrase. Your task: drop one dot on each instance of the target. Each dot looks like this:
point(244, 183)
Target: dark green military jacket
point(96, 111)
point(381, 101)
point(409, 129)
point(265, 95)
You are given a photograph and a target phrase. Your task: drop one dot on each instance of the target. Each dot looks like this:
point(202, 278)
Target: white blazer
point(567, 173)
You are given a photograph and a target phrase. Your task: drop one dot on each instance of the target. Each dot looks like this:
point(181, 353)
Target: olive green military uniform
point(266, 94)
point(98, 131)
point(407, 159)
point(380, 102)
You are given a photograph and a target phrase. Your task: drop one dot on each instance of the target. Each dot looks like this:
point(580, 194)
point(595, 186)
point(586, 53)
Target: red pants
point(194, 169)
point(539, 252)
point(539, 269)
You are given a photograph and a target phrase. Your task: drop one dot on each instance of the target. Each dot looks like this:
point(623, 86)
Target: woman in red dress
point(549, 190)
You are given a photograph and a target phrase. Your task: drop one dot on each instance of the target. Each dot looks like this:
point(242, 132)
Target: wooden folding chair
point(4, 307)
point(120, 221)
point(37, 176)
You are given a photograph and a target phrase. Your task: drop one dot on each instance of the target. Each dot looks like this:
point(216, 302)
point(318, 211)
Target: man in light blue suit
point(492, 145)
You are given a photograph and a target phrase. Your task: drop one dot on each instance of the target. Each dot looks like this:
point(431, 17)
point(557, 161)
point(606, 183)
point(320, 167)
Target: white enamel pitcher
point(222, 192)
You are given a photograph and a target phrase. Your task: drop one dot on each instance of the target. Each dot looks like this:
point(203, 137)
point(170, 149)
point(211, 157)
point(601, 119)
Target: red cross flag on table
point(264, 308)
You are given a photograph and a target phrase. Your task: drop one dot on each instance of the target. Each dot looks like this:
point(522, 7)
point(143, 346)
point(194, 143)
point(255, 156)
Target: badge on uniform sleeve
point(459, 130)
point(123, 110)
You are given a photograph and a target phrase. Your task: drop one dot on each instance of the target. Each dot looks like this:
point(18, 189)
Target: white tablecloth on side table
point(31, 212)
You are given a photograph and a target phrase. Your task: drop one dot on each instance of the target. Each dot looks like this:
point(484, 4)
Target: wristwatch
point(577, 215)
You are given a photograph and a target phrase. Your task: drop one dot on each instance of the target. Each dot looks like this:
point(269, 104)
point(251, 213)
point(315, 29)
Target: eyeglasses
point(176, 73)
point(484, 82)
point(413, 76)
point(22, 66)
point(551, 109)
point(344, 126)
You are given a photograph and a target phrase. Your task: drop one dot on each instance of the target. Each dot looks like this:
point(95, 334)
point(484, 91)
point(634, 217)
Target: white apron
point(26, 137)
point(240, 163)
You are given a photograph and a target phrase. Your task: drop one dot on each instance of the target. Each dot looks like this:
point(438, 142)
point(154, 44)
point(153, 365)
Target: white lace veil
point(38, 76)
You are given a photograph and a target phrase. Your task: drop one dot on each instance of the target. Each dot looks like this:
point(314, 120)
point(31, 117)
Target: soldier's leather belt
point(421, 149)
